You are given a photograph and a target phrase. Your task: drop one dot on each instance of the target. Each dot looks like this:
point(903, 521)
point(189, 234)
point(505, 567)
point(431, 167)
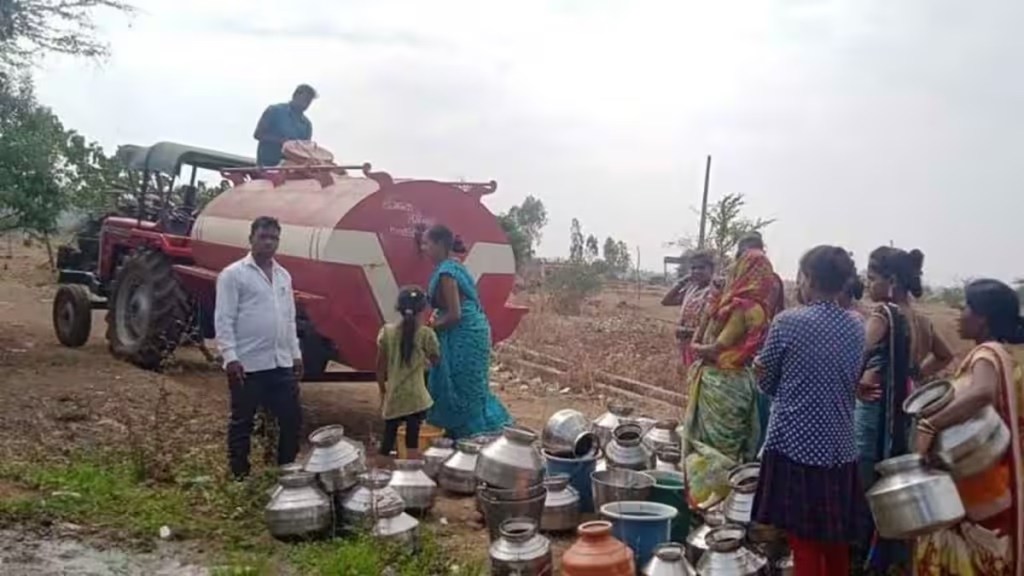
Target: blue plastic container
point(640, 525)
point(578, 470)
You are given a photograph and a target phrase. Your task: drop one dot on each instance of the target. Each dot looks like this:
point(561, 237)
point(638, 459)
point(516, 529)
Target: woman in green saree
point(722, 421)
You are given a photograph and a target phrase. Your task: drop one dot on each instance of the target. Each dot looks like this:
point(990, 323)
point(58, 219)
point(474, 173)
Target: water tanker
point(350, 238)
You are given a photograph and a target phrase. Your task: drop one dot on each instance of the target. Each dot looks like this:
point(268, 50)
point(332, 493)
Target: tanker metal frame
point(349, 242)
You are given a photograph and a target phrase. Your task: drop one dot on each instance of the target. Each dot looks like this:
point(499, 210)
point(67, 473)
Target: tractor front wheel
point(148, 311)
point(72, 315)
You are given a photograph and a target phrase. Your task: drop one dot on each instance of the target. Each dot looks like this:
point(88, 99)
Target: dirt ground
point(62, 400)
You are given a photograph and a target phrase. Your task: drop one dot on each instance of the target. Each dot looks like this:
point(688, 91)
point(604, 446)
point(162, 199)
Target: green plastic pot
point(670, 489)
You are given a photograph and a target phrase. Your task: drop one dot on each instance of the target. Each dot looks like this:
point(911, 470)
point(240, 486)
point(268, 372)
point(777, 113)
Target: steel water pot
point(298, 509)
point(662, 435)
point(606, 423)
point(578, 470)
point(626, 449)
point(417, 490)
point(669, 560)
point(372, 499)
point(393, 525)
point(568, 434)
point(511, 461)
point(282, 471)
point(434, 456)
point(616, 485)
point(738, 506)
point(499, 505)
point(520, 550)
point(336, 460)
point(669, 459)
point(726, 555)
point(458, 473)
point(561, 506)
point(696, 541)
point(967, 448)
point(910, 500)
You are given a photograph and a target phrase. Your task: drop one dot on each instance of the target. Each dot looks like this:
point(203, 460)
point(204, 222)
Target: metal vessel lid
point(375, 479)
point(297, 479)
point(327, 436)
point(743, 478)
point(443, 443)
point(628, 435)
point(667, 424)
point(727, 538)
point(468, 447)
point(518, 529)
point(670, 454)
point(899, 464)
point(670, 552)
point(619, 409)
point(929, 399)
point(557, 482)
point(287, 469)
point(409, 465)
point(519, 434)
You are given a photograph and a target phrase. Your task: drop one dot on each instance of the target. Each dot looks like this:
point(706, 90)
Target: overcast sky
point(854, 122)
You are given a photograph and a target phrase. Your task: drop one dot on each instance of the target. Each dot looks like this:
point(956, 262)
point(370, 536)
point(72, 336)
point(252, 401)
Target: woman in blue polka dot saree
point(459, 383)
point(809, 485)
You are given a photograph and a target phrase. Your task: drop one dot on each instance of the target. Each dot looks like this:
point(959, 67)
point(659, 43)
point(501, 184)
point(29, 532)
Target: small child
point(404, 353)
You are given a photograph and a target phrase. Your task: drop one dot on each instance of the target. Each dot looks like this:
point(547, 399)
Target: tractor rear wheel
point(148, 310)
point(72, 315)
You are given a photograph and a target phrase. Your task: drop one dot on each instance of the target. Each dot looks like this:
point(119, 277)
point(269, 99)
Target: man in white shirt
point(255, 325)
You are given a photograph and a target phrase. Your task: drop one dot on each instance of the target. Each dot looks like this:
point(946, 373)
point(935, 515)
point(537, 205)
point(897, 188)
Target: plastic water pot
point(670, 489)
point(578, 470)
point(640, 525)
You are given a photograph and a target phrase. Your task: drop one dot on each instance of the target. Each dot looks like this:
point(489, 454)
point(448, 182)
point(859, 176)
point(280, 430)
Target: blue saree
point(882, 432)
point(459, 383)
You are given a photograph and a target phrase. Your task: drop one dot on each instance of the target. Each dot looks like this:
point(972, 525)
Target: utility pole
point(704, 204)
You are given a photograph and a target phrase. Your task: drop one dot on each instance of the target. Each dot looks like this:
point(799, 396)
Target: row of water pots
point(334, 491)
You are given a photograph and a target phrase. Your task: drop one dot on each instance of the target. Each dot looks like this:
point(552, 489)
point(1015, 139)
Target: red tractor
point(350, 238)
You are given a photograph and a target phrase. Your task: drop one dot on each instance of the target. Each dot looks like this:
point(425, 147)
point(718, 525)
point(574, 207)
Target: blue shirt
point(810, 364)
point(281, 122)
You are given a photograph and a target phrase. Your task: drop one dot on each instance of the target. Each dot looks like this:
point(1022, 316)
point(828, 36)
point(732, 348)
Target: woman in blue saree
point(464, 405)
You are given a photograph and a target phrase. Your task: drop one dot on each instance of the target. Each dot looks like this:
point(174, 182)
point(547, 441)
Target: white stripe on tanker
point(352, 248)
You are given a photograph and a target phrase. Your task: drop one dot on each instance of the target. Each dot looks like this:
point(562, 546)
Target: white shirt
point(255, 317)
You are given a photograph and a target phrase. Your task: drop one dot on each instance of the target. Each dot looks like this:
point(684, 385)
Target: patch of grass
point(104, 491)
point(364, 555)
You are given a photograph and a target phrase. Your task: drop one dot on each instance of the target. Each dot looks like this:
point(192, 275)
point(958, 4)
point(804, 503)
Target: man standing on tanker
point(283, 122)
point(256, 335)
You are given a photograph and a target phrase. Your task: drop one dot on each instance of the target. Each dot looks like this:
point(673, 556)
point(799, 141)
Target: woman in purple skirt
point(809, 367)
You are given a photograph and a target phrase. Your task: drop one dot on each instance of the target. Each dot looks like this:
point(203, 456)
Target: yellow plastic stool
point(428, 434)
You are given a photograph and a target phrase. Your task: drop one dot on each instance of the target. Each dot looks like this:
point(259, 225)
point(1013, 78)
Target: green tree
point(33, 172)
point(616, 255)
point(30, 28)
point(592, 250)
point(523, 225)
point(576, 242)
point(726, 226)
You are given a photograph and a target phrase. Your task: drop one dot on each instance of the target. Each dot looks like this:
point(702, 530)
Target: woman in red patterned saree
point(989, 541)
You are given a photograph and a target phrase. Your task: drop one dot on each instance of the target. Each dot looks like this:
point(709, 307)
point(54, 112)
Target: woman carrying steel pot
point(902, 347)
point(809, 366)
point(989, 541)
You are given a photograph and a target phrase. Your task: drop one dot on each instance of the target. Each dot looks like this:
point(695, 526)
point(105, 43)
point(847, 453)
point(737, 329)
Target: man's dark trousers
point(276, 390)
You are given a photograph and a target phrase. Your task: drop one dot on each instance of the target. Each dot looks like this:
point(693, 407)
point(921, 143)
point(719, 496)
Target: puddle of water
point(25, 555)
